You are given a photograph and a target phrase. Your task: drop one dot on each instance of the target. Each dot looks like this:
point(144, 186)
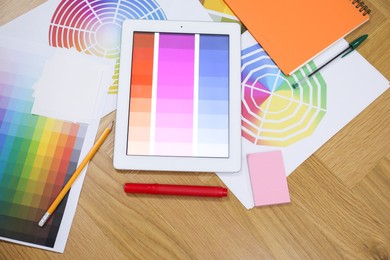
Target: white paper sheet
point(69, 86)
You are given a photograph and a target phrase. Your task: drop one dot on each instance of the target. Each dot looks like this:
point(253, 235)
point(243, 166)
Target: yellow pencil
point(72, 179)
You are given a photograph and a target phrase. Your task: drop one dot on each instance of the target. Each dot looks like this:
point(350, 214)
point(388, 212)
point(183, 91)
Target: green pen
point(352, 46)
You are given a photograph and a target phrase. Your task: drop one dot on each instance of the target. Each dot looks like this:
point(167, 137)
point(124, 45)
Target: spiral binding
point(363, 7)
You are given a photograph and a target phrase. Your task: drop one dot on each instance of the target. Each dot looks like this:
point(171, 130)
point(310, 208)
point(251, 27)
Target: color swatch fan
point(94, 26)
point(273, 112)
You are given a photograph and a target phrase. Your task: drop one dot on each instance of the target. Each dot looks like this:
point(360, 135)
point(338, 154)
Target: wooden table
point(340, 196)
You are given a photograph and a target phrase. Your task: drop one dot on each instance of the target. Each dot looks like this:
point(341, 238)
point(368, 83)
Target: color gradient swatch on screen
point(37, 154)
point(94, 26)
point(273, 113)
point(179, 95)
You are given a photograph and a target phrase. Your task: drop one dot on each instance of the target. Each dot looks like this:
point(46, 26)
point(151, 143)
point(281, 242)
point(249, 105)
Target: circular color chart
point(273, 112)
point(94, 26)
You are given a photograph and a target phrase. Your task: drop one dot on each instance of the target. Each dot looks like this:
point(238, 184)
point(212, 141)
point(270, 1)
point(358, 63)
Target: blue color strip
point(213, 87)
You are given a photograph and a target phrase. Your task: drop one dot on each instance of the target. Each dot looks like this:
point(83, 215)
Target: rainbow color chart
point(37, 154)
point(273, 113)
point(179, 95)
point(94, 26)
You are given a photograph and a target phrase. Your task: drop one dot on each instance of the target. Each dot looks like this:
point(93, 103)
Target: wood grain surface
point(340, 196)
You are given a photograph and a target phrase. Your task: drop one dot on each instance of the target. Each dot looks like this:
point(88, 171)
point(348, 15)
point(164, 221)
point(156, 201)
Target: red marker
point(181, 190)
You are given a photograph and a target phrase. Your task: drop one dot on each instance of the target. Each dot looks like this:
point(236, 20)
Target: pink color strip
point(175, 88)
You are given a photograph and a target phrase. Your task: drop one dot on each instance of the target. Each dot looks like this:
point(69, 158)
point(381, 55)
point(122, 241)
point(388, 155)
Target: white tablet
point(179, 92)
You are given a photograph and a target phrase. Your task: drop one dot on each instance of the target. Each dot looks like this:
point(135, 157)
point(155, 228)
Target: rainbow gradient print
point(94, 26)
point(274, 113)
point(179, 95)
point(37, 154)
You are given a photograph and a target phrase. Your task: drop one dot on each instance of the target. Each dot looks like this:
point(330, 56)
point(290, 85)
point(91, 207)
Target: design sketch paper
point(38, 154)
point(323, 112)
point(93, 27)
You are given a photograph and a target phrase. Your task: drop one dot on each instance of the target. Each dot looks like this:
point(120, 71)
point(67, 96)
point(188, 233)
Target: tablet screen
point(179, 95)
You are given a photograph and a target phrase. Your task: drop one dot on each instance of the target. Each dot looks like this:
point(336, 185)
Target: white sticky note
point(68, 87)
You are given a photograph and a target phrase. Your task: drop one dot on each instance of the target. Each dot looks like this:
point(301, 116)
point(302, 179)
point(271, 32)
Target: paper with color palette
point(38, 154)
point(298, 121)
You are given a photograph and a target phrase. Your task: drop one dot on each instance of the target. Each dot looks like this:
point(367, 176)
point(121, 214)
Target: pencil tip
point(112, 124)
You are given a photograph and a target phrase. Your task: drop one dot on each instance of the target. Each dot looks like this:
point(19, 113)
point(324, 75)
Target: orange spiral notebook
point(294, 32)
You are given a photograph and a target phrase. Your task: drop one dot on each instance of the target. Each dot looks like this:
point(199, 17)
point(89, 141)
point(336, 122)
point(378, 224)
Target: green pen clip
point(353, 45)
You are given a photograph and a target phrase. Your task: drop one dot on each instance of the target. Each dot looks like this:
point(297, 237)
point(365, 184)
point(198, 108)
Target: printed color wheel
point(273, 113)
